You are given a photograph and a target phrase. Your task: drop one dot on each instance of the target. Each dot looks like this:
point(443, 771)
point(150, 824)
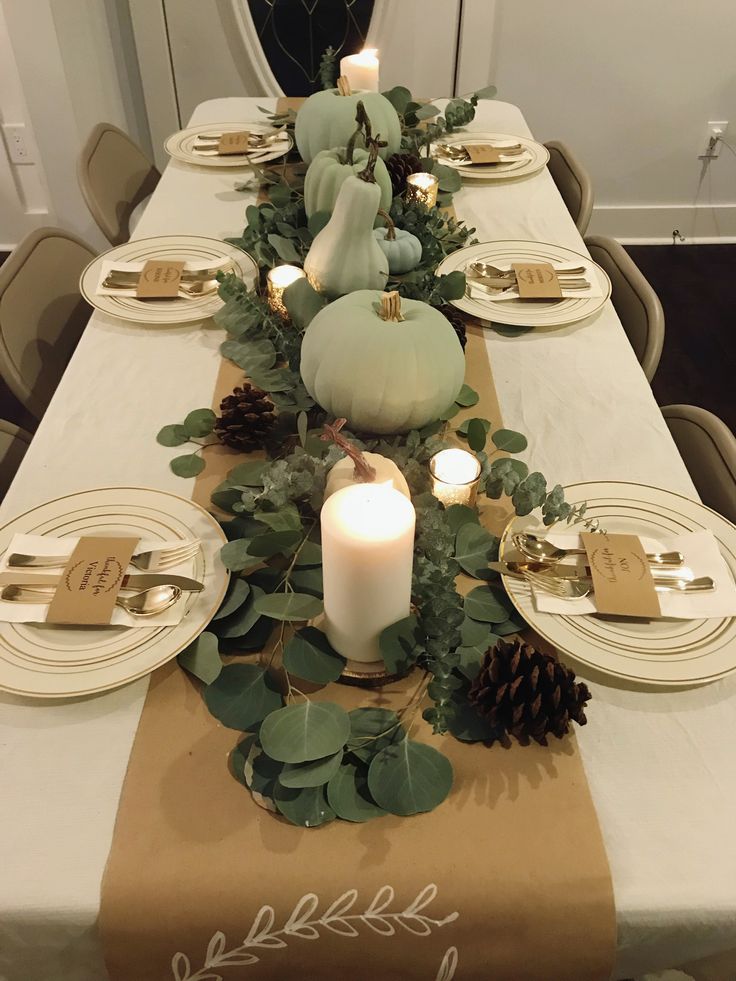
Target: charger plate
point(47, 661)
point(532, 161)
point(527, 313)
point(667, 653)
point(180, 145)
point(205, 252)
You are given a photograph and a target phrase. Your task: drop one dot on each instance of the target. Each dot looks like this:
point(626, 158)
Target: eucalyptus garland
point(311, 760)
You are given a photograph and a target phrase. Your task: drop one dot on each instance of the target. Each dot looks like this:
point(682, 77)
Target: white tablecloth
point(660, 766)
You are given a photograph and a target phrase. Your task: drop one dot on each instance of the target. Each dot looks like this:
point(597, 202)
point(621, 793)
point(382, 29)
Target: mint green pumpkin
point(402, 249)
point(383, 376)
point(327, 119)
point(344, 255)
point(328, 171)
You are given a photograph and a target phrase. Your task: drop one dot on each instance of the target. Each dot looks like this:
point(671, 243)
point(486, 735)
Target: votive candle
point(422, 188)
point(361, 70)
point(277, 280)
point(367, 557)
point(455, 474)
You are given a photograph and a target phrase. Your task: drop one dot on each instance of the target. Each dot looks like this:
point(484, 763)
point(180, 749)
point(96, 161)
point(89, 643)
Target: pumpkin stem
point(364, 126)
point(343, 85)
point(363, 470)
point(391, 307)
point(390, 227)
point(368, 175)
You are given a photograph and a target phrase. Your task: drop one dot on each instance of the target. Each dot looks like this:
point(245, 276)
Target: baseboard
point(655, 223)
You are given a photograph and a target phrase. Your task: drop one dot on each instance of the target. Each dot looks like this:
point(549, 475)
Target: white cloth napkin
point(11, 612)
point(107, 265)
point(702, 558)
point(476, 291)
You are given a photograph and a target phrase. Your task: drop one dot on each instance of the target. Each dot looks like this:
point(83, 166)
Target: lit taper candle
point(361, 70)
point(367, 557)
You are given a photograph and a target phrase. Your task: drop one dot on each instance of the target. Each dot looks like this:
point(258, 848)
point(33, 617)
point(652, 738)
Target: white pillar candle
point(277, 280)
point(361, 70)
point(455, 475)
point(367, 558)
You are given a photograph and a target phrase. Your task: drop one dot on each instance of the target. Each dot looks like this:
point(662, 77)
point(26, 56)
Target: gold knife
point(144, 581)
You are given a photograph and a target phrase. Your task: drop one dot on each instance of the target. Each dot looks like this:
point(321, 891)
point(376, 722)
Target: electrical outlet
point(715, 129)
point(15, 140)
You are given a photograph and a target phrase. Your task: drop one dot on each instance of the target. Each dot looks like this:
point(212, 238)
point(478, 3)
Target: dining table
point(659, 763)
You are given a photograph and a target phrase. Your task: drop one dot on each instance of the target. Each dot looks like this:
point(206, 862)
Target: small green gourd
point(344, 255)
point(402, 249)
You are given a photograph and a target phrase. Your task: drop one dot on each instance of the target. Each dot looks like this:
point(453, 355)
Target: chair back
point(708, 448)
point(635, 301)
point(42, 314)
point(114, 176)
point(572, 182)
point(14, 442)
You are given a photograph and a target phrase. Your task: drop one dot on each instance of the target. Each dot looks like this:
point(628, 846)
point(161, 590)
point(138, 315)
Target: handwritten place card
point(483, 153)
point(232, 143)
point(622, 579)
point(159, 278)
point(91, 581)
point(537, 281)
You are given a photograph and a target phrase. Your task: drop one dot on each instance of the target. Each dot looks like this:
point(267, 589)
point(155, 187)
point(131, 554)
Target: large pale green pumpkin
point(330, 169)
point(327, 119)
point(384, 376)
point(344, 255)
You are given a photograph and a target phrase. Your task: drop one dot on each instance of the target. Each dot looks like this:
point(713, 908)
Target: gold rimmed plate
point(665, 653)
point(47, 661)
point(531, 161)
point(181, 145)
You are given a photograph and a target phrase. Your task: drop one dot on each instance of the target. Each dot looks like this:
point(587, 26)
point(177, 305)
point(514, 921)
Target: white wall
point(77, 66)
point(630, 85)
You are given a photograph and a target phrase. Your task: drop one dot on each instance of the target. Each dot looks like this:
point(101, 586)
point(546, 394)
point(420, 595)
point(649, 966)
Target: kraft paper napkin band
point(483, 153)
point(230, 143)
point(194, 859)
point(537, 281)
point(622, 579)
point(160, 278)
point(91, 581)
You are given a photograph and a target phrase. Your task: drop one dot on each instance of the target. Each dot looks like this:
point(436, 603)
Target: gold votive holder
point(455, 475)
point(422, 189)
point(277, 280)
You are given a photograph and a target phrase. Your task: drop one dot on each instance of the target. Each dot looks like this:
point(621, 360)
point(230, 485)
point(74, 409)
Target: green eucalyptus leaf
point(482, 603)
point(450, 180)
point(452, 286)
point(309, 655)
point(238, 757)
point(398, 645)
point(308, 731)
point(309, 554)
point(187, 466)
point(289, 606)
point(303, 302)
point(279, 195)
point(513, 625)
point(371, 730)
point(274, 543)
point(472, 655)
point(254, 640)
point(237, 593)
point(308, 580)
point(314, 773)
point(452, 410)
point(306, 808)
point(249, 474)
point(462, 429)
point(200, 422)
point(489, 92)
point(427, 111)
point(241, 620)
point(473, 633)
point(251, 356)
point(509, 441)
point(172, 436)
point(302, 424)
point(467, 396)
point(242, 696)
point(224, 496)
point(399, 97)
point(273, 379)
point(474, 547)
point(458, 515)
point(476, 435)
point(348, 794)
point(202, 658)
point(467, 725)
point(409, 778)
point(236, 555)
point(284, 248)
point(287, 519)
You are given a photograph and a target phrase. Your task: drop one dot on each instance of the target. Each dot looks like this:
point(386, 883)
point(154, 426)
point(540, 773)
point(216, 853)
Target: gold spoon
point(147, 603)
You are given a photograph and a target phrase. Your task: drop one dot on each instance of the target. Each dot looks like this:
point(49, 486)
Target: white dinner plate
point(205, 252)
point(526, 313)
point(531, 162)
point(667, 653)
point(181, 145)
point(46, 661)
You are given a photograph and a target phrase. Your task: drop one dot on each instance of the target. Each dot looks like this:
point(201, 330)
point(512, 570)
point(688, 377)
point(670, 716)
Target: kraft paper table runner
point(507, 879)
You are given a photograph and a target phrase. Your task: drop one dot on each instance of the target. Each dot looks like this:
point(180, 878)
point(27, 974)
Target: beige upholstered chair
point(115, 176)
point(14, 442)
point(708, 447)
point(635, 301)
point(572, 182)
point(42, 314)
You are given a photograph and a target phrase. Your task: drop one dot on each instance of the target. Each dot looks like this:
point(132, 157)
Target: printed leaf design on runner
point(303, 924)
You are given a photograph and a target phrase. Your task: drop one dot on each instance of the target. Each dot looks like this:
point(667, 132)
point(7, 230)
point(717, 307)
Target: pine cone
point(525, 693)
point(247, 419)
point(399, 166)
point(456, 319)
